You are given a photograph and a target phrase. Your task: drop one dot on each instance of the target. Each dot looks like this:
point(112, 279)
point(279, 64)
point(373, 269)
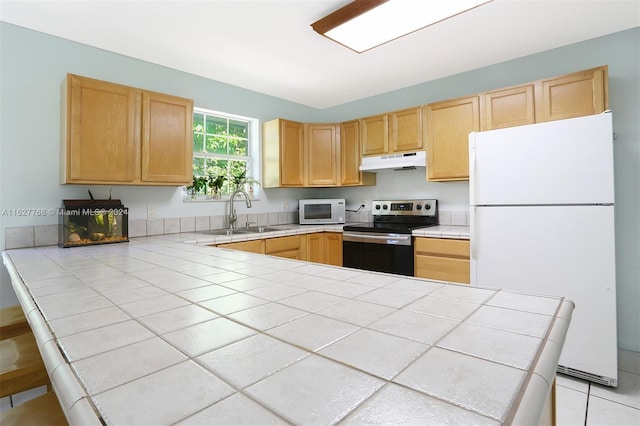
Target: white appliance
point(542, 222)
point(321, 211)
point(405, 160)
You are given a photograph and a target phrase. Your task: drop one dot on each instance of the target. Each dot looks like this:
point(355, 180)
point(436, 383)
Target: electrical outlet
point(363, 204)
point(151, 211)
point(285, 206)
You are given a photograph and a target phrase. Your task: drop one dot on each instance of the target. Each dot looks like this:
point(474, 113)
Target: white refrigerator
point(542, 222)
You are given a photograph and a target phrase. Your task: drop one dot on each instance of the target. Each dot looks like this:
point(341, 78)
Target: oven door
point(380, 252)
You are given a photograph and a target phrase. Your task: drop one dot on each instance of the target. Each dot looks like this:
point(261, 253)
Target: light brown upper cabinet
point(375, 135)
point(508, 107)
point(448, 125)
point(322, 154)
point(311, 155)
point(282, 154)
point(405, 128)
point(573, 95)
point(119, 135)
point(399, 131)
point(351, 156)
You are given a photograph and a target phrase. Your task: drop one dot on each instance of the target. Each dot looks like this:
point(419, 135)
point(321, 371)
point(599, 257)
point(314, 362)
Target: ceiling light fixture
point(365, 24)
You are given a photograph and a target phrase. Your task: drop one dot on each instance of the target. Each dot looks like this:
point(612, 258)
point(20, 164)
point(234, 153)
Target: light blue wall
point(33, 66)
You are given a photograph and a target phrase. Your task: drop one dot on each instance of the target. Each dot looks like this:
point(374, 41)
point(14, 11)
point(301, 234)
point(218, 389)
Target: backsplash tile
point(217, 222)
point(444, 217)
point(187, 224)
point(273, 219)
point(46, 235)
point(459, 217)
point(18, 237)
point(202, 223)
point(43, 235)
point(155, 226)
point(171, 225)
point(137, 228)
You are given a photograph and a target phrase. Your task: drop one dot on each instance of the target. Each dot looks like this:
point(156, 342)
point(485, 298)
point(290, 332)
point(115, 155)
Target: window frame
point(253, 157)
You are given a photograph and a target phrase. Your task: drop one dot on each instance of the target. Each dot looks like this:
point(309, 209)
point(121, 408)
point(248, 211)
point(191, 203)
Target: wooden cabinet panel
point(350, 153)
point(448, 125)
point(167, 139)
point(291, 247)
point(282, 154)
point(322, 155)
point(406, 130)
point(508, 107)
point(574, 95)
point(102, 132)
point(120, 135)
point(253, 246)
point(292, 164)
point(443, 269)
point(351, 156)
point(332, 248)
point(443, 246)
point(315, 247)
point(442, 259)
point(375, 135)
point(324, 247)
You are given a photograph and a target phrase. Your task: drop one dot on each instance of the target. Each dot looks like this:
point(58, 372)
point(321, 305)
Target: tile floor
point(583, 403)
point(578, 401)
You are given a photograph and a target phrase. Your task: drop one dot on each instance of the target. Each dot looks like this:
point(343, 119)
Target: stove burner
point(399, 216)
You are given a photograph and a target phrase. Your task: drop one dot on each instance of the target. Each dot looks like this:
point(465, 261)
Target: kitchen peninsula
point(157, 331)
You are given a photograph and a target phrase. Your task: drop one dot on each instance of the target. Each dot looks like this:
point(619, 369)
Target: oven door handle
point(378, 238)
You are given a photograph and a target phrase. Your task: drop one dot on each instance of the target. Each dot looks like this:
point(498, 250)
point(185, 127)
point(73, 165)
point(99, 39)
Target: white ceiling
point(269, 46)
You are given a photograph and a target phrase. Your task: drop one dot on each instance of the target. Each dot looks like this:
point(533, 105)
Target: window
point(223, 148)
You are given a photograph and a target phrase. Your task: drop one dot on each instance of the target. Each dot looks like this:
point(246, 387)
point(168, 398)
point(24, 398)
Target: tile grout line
point(586, 412)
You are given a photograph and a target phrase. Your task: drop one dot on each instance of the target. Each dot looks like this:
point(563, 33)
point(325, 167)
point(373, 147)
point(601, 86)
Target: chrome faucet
point(232, 211)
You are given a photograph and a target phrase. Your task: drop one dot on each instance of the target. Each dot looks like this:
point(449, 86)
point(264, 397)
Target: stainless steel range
point(386, 244)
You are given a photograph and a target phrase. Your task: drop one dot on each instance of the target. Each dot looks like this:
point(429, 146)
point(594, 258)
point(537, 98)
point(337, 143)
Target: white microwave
point(322, 211)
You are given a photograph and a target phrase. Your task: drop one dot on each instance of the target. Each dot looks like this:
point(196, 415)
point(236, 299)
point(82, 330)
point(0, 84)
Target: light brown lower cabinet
point(325, 247)
point(253, 246)
point(292, 247)
point(442, 259)
point(318, 247)
point(332, 248)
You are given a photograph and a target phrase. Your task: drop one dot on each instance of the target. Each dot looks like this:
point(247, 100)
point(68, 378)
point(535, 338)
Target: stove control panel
point(404, 207)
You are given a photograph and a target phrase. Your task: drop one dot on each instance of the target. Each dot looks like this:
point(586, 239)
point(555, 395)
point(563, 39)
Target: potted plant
point(238, 180)
point(198, 184)
point(215, 183)
point(242, 179)
point(250, 183)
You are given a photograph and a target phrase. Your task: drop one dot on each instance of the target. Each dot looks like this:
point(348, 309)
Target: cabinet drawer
point(255, 246)
point(442, 247)
point(279, 244)
point(442, 268)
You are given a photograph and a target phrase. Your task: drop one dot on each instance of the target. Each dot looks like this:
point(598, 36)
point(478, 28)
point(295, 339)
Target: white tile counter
point(156, 331)
point(204, 238)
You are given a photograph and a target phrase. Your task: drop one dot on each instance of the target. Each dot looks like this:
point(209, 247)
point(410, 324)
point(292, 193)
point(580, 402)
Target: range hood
point(402, 161)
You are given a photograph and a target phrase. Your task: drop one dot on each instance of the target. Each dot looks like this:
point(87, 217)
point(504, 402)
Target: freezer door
point(559, 162)
point(560, 251)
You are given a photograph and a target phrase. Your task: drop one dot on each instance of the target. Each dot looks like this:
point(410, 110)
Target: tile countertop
point(156, 331)
point(203, 238)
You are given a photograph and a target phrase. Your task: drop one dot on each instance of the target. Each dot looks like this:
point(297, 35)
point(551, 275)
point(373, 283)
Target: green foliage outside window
point(220, 148)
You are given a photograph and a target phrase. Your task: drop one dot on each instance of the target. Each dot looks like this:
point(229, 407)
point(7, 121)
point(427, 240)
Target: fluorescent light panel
point(365, 24)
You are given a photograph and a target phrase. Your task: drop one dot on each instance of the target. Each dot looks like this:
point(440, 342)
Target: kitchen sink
point(226, 232)
point(260, 229)
point(251, 230)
